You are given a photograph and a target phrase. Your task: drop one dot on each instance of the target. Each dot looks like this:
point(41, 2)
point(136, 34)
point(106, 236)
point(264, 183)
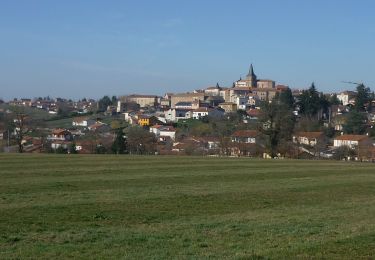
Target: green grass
point(184, 207)
point(60, 123)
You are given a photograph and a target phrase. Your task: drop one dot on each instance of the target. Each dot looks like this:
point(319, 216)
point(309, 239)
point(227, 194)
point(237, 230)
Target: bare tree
point(21, 128)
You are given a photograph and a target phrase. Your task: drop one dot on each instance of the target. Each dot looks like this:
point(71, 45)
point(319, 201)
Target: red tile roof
point(310, 134)
point(245, 133)
point(352, 137)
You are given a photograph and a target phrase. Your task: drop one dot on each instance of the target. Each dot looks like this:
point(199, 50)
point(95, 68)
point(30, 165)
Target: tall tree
point(355, 123)
point(309, 103)
point(103, 103)
point(362, 98)
point(277, 124)
point(21, 127)
point(114, 100)
point(119, 144)
point(333, 100)
point(140, 141)
point(286, 97)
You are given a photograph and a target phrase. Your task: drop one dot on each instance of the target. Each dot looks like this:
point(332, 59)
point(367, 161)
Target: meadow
point(138, 207)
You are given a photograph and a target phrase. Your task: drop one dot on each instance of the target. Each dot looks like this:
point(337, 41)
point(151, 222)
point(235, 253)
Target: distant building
point(250, 80)
point(83, 121)
point(228, 107)
point(186, 97)
point(205, 111)
point(346, 96)
point(163, 132)
point(266, 83)
point(213, 91)
point(308, 138)
point(352, 141)
point(60, 135)
point(141, 100)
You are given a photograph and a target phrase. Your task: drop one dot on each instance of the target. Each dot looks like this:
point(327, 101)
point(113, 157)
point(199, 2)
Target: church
point(251, 81)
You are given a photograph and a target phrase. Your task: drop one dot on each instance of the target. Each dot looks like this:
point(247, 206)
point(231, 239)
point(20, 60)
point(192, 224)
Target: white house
point(60, 135)
point(245, 136)
point(346, 96)
point(308, 138)
point(242, 102)
point(83, 121)
point(174, 114)
point(205, 111)
point(163, 132)
point(351, 141)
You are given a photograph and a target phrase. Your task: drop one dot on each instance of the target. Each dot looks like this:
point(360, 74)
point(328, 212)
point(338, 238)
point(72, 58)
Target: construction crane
point(354, 83)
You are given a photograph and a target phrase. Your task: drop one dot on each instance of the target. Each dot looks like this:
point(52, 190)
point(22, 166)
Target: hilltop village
point(253, 117)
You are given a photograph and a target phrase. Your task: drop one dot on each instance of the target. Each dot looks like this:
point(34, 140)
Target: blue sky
point(93, 48)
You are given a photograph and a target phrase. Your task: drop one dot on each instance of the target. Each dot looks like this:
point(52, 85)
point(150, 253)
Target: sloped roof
point(80, 119)
point(310, 134)
point(352, 137)
point(245, 133)
point(59, 131)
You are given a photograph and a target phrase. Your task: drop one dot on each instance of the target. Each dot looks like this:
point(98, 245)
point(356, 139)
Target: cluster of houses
point(245, 94)
point(52, 106)
point(159, 116)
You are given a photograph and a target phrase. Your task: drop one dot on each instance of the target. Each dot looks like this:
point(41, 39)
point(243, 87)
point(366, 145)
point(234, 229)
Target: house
point(26, 102)
point(244, 142)
point(253, 101)
point(241, 102)
point(352, 141)
point(60, 135)
point(266, 83)
point(308, 138)
point(228, 107)
point(141, 100)
point(265, 94)
point(205, 111)
point(99, 127)
point(188, 146)
point(245, 136)
point(56, 144)
point(186, 97)
point(174, 114)
point(184, 105)
point(211, 101)
point(163, 132)
point(146, 120)
point(346, 96)
point(211, 143)
point(213, 91)
point(83, 121)
point(253, 113)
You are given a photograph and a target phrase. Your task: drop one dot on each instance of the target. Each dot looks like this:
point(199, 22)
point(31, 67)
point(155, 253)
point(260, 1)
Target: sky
point(91, 48)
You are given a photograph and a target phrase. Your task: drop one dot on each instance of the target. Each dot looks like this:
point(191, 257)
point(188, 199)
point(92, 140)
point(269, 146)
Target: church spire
point(251, 78)
point(251, 71)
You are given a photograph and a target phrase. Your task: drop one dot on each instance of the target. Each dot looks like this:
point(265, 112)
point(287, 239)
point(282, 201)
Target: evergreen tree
point(119, 144)
point(114, 100)
point(287, 98)
point(104, 103)
point(309, 102)
point(333, 100)
point(277, 124)
point(362, 98)
point(355, 123)
point(73, 148)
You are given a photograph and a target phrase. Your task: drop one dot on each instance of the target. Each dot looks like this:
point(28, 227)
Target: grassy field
point(184, 207)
